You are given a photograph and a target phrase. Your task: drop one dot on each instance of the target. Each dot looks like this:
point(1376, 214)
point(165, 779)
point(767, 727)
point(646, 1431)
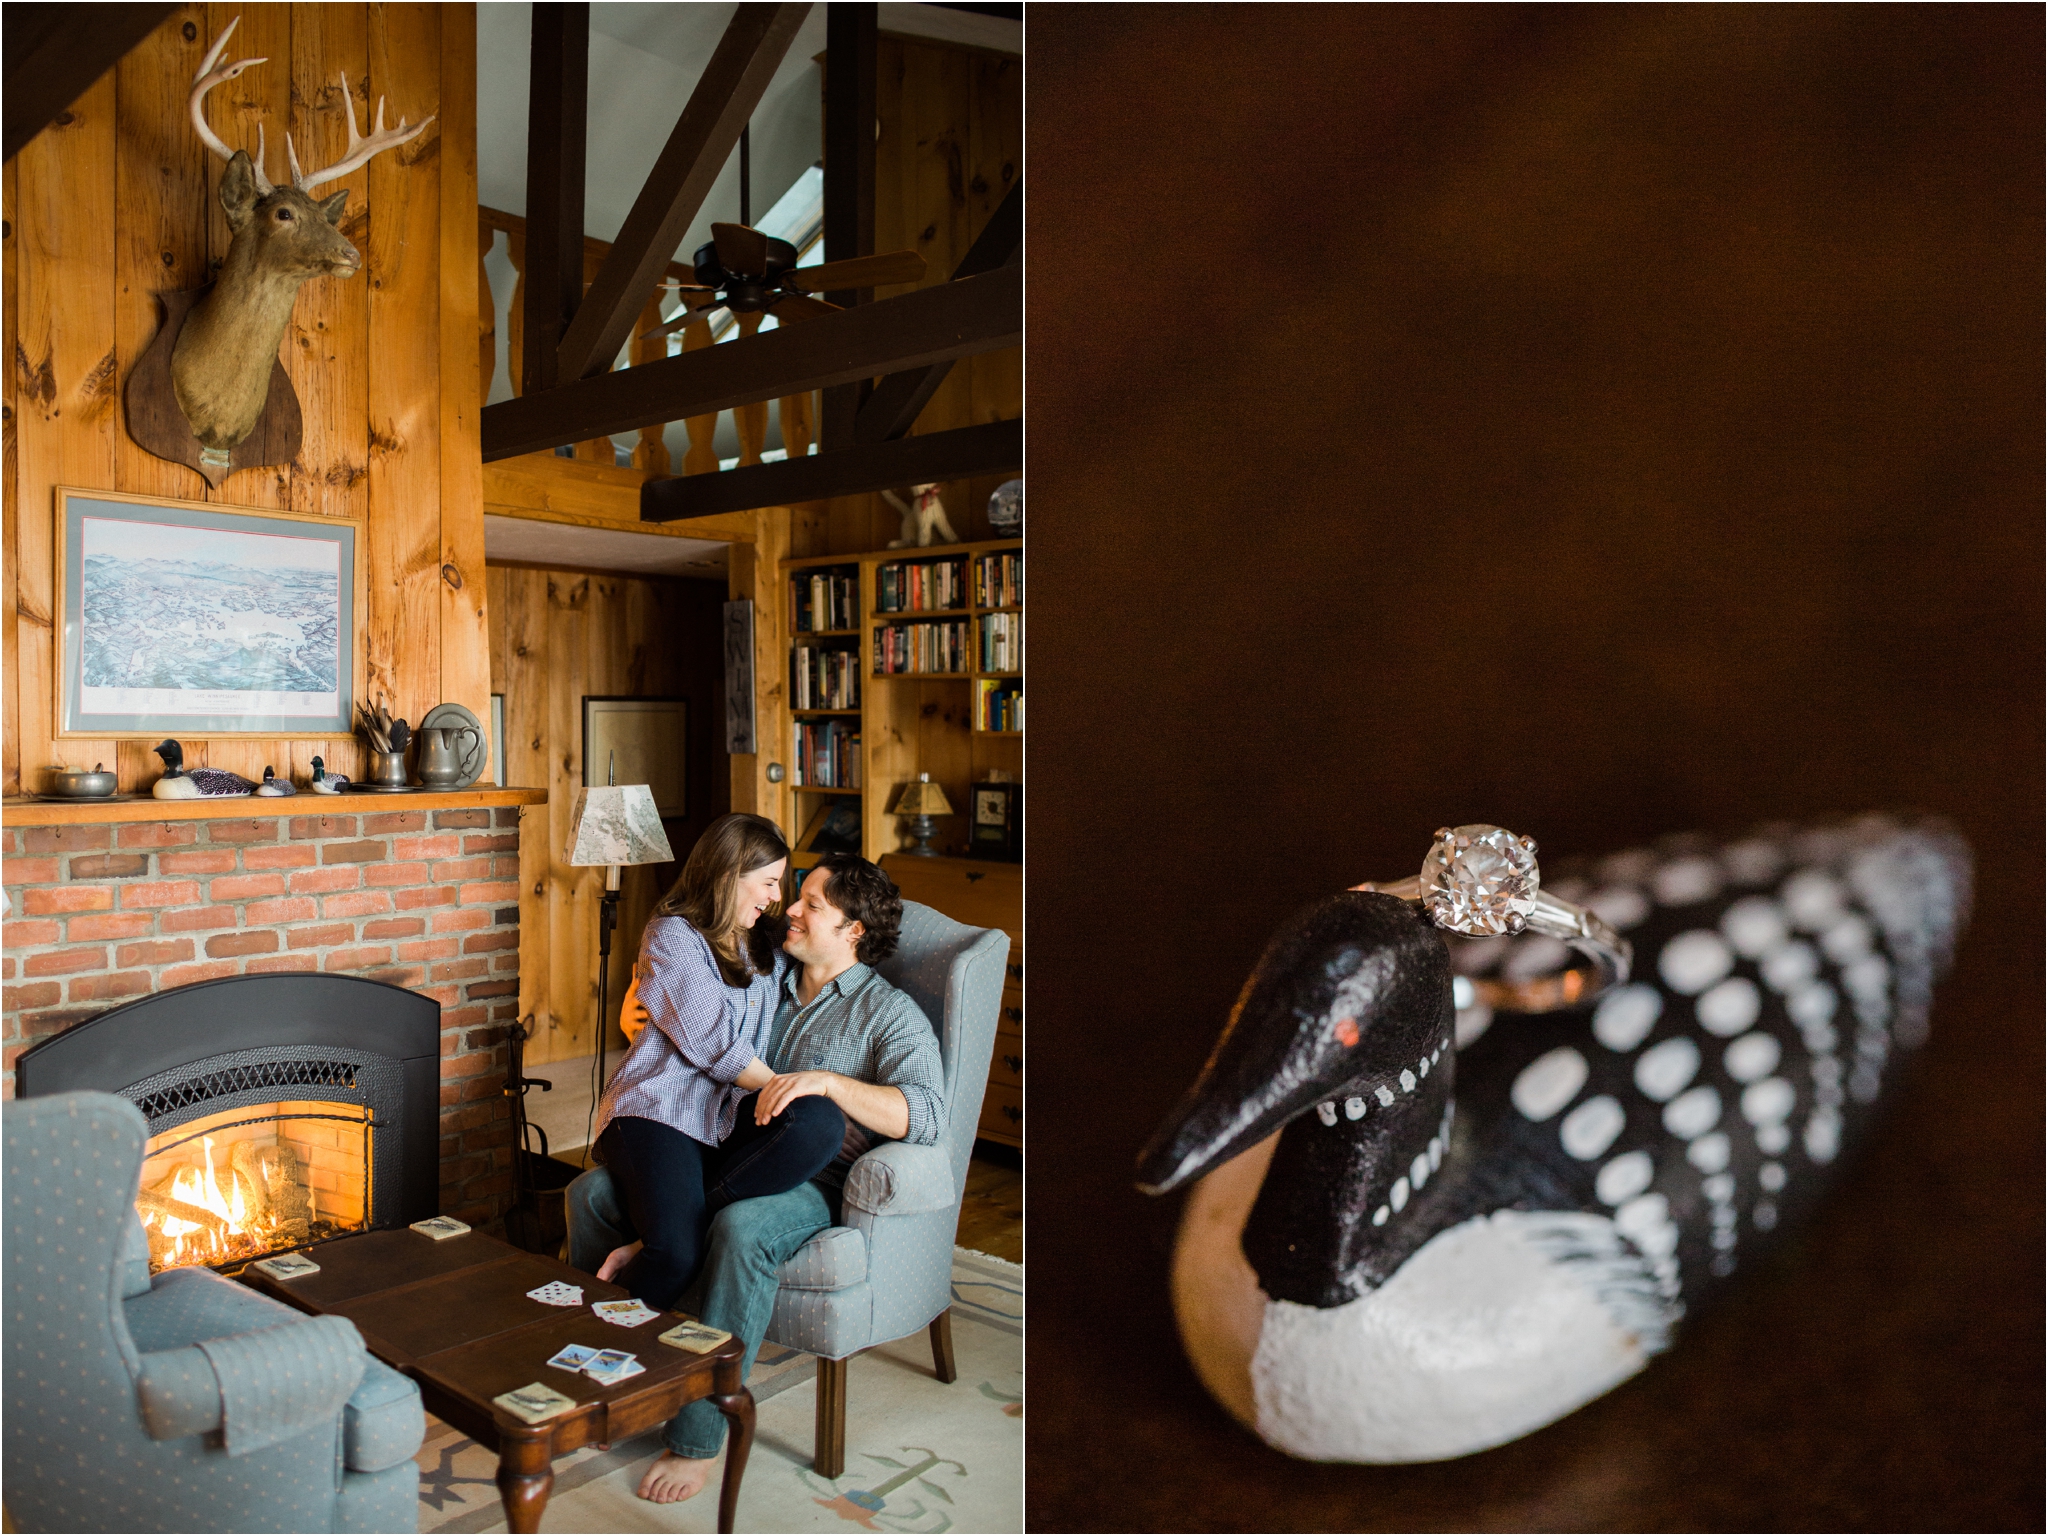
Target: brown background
point(1603, 421)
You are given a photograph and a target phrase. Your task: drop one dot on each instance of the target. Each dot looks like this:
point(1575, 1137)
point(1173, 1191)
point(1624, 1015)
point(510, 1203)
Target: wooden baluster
point(752, 420)
point(651, 453)
point(703, 455)
point(486, 310)
point(798, 424)
point(515, 329)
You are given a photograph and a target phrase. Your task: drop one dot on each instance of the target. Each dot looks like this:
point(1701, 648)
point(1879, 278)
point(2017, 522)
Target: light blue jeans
point(750, 1242)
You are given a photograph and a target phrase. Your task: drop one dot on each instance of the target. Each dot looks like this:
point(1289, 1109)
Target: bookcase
point(902, 662)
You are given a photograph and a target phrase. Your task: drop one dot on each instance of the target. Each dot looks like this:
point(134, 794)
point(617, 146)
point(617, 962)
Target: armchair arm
point(179, 1394)
point(268, 1386)
point(898, 1179)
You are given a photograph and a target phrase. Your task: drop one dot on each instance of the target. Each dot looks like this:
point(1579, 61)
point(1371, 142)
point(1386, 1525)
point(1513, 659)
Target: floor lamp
point(613, 825)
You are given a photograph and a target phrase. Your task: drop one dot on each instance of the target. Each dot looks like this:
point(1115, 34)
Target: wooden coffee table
point(454, 1316)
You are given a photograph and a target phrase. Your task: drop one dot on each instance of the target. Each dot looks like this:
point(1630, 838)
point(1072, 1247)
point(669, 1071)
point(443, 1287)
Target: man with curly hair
point(840, 1032)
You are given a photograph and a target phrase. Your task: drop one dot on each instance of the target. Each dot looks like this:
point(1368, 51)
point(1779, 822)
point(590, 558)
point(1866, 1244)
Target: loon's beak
point(1319, 1006)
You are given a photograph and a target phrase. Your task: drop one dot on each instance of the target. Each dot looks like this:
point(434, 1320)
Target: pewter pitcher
point(443, 763)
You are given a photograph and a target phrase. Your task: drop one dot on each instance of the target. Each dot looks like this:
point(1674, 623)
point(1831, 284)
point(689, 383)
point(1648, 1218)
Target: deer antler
point(207, 78)
point(360, 149)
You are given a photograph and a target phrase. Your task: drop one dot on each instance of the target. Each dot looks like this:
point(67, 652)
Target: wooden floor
point(992, 1217)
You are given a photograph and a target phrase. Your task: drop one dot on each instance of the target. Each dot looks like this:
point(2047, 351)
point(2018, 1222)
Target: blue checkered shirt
point(861, 1027)
point(681, 1071)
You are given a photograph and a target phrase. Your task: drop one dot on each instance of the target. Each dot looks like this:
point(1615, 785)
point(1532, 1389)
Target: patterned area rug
point(920, 1456)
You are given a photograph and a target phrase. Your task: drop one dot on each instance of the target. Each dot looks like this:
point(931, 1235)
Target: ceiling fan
point(748, 272)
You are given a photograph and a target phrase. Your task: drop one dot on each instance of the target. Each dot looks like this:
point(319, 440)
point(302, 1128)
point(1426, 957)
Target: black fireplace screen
point(308, 1106)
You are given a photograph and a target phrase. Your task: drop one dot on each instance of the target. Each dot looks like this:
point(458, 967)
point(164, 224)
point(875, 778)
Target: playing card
point(440, 1228)
point(286, 1266)
point(535, 1403)
point(698, 1338)
point(627, 1314)
point(612, 1365)
point(557, 1293)
point(573, 1357)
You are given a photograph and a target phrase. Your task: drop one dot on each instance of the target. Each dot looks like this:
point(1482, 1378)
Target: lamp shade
point(924, 798)
point(617, 824)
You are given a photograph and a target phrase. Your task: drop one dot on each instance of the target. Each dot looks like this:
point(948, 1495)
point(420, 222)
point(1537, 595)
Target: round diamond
point(1480, 880)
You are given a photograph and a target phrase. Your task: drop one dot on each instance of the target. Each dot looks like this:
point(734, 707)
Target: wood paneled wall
point(557, 636)
point(952, 144)
point(117, 202)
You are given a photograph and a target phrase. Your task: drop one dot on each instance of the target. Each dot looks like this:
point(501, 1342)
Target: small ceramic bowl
point(77, 784)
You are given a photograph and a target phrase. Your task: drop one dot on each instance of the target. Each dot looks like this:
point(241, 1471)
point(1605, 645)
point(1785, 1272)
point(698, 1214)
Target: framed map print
point(184, 618)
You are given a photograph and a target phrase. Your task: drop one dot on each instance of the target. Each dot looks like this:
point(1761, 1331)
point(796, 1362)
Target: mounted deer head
point(221, 364)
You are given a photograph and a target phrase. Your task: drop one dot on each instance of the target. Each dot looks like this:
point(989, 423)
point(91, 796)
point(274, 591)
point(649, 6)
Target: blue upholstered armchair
point(887, 1271)
point(180, 1403)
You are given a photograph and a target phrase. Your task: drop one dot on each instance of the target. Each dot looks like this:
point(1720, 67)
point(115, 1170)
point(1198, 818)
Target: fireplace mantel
point(41, 811)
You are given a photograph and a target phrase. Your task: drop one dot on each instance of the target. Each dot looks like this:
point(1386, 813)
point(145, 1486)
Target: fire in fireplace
point(237, 1186)
point(238, 1167)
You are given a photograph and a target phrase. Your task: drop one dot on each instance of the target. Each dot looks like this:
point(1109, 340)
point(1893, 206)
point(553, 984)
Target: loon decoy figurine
point(325, 783)
point(1415, 1236)
point(182, 783)
point(273, 785)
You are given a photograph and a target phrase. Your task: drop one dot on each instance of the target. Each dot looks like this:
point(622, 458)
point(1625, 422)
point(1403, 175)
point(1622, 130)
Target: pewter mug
point(387, 768)
point(442, 765)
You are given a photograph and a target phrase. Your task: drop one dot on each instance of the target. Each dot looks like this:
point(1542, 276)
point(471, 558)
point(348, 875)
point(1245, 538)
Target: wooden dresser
point(987, 895)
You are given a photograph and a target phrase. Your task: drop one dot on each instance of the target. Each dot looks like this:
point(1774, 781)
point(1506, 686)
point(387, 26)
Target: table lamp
point(921, 802)
point(613, 825)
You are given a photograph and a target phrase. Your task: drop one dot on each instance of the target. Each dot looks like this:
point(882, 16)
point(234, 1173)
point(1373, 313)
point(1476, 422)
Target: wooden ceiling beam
point(993, 448)
point(976, 314)
point(557, 114)
point(725, 97)
point(892, 410)
point(55, 52)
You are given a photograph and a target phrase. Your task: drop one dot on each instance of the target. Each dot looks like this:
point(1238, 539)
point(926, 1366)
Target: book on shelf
point(824, 599)
point(826, 755)
point(935, 646)
point(911, 586)
point(824, 677)
point(999, 579)
point(998, 704)
point(1002, 642)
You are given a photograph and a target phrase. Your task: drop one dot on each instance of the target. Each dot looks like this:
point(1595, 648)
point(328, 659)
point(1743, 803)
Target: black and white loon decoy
point(1375, 1269)
point(325, 783)
point(273, 785)
point(182, 783)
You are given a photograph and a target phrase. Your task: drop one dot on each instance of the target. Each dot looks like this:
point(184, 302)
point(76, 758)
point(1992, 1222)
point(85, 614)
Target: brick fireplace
point(424, 897)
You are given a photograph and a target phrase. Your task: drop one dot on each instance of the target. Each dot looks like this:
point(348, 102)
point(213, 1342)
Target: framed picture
point(638, 741)
point(739, 675)
point(187, 618)
point(498, 739)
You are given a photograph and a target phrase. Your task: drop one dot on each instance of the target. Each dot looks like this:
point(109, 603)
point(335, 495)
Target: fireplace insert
point(282, 1109)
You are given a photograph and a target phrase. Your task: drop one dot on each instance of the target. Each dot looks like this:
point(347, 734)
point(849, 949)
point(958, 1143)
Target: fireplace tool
point(537, 1220)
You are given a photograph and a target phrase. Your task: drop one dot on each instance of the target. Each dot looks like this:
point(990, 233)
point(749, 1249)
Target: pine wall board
point(117, 201)
point(951, 146)
point(557, 636)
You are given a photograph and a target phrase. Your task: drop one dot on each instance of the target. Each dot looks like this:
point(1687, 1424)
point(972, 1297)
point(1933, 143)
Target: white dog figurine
point(924, 519)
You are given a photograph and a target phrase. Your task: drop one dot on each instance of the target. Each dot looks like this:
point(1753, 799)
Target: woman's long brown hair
point(706, 894)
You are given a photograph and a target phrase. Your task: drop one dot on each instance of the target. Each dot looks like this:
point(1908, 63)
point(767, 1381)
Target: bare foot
point(674, 1478)
point(617, 1260)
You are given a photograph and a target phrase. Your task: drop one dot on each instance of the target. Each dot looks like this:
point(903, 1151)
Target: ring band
point(1482, 881)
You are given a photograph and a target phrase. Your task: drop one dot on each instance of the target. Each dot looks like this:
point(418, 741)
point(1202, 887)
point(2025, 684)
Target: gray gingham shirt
point(681, 1070)
point(861, 1027)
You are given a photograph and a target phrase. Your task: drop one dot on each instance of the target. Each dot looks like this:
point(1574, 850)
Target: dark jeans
point(671, 1185)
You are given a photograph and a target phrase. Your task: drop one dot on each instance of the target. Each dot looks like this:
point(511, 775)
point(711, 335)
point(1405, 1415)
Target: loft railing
point(651, 453)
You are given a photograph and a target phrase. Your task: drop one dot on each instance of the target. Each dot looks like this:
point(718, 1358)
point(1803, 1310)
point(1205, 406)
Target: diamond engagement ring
point(1482, 881)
